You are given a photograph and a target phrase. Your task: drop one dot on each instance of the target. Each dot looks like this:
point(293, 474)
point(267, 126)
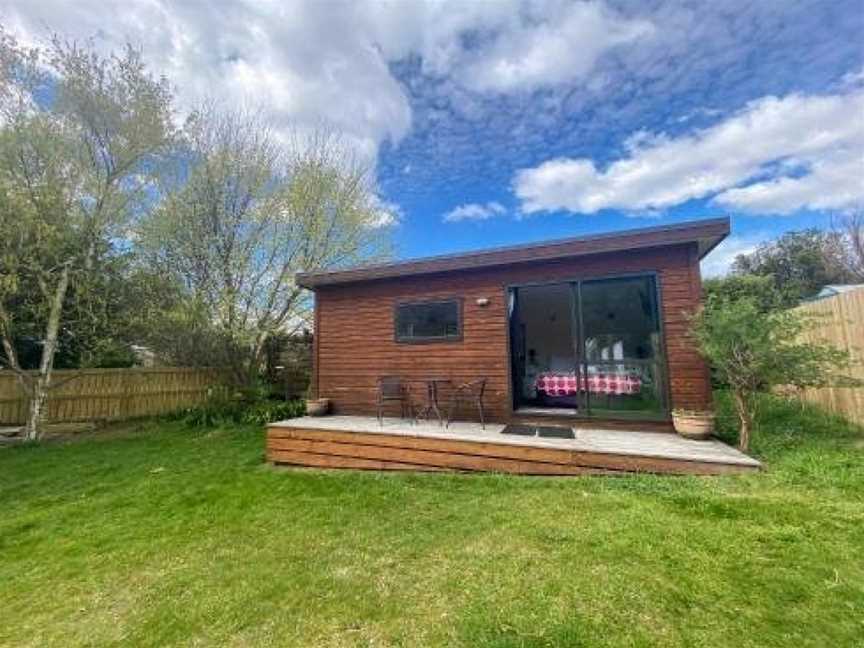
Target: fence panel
point(111, 394)
point(295, 361)
point(841, 323)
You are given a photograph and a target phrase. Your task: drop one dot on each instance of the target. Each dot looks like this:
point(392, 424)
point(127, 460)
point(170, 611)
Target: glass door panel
point(620, 319)
point(542, 334)
point(621, 345)
point(625, 389)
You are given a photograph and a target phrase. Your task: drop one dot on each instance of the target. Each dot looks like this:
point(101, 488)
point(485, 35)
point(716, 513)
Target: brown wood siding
point(342, 449)
point(355, 330)
point(316, 362)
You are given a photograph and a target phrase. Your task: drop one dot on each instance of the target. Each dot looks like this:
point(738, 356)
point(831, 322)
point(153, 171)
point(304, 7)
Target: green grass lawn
point(160, 534)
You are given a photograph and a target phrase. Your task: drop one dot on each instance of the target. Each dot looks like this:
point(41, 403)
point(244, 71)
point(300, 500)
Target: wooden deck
point(360, 443)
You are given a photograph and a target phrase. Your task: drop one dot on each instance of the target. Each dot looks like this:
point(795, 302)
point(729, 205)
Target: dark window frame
point(661, 362)
point(399, 339)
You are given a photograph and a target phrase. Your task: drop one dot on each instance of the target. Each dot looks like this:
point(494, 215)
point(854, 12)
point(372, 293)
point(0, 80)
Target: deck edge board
point(736, 457)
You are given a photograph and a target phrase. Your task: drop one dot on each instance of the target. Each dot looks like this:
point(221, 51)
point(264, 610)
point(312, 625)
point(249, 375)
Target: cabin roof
point(706, 233)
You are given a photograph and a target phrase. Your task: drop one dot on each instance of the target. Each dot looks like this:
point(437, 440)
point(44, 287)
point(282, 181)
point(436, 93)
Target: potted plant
point(693, 424)
point(316, 406)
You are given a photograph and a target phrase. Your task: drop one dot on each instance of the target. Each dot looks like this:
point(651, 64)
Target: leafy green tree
point(759, 288)
point(800, 263)
point(101, 319)
point(242, 216)
point(75, 170)
point(113, 312)
point(753, 349)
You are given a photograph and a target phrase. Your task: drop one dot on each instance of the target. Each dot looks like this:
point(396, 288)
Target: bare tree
point(74, 170)
point(851, 228)
point(244, 213)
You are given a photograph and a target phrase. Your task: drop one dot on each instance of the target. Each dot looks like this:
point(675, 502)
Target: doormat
point(556, 432)
point(521, 430)
point(547, 432)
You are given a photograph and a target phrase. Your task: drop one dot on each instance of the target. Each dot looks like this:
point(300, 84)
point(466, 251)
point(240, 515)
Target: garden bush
point(222, 410)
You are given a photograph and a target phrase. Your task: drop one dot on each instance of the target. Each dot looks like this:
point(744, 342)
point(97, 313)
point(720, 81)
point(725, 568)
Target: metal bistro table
point(431, 405)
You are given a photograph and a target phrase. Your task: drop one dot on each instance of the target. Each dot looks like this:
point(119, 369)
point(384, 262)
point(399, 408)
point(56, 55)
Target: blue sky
point(460, 159)
point(494, 123)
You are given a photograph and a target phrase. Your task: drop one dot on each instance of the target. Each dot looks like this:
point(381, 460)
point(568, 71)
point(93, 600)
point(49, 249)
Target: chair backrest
point(390, 387)
point(482, 387)
point(475, 387)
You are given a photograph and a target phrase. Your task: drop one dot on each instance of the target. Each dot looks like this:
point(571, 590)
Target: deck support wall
point(359, 450)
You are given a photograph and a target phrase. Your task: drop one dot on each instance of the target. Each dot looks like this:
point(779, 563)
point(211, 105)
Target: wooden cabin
point(572, 336)
point(608, 310)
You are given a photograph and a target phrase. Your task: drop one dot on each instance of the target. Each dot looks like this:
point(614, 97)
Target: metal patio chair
point(469, 392)
point(393, 389)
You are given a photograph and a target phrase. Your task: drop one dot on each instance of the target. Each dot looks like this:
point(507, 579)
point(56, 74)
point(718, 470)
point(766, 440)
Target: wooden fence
point(841, 323)
point(111, 394)
point(294, 367)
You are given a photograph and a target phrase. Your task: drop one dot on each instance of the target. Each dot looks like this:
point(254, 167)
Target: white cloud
point(387, 214)
point(309, 61)
point(474, 212)
point(834, 182)
point(854, 77)
point(777, 155)
point(304, 64)
point(561, 46)
point(720, 259)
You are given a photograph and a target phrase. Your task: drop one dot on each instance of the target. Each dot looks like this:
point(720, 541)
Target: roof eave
point(706, 233)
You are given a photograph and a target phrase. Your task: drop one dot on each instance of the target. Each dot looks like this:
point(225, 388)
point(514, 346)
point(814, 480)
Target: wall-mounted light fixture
point(482, 301)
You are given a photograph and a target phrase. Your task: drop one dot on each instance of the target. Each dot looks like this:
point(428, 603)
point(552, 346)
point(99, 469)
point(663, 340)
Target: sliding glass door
point(589, 347)
point(620, 345)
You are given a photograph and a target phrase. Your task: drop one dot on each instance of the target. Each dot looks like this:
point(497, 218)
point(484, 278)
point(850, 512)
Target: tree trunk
point(258, 356)
point(745, 416)
point(25, 382)
point(36, 410)
point(39, 394)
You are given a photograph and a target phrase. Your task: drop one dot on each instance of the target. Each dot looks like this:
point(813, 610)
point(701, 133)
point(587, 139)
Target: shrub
point(224, 411)
point(269, 411)
point(753, 350)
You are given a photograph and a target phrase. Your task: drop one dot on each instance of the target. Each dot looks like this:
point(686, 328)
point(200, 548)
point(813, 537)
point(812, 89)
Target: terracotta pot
point(317, 406)
point(694, 425)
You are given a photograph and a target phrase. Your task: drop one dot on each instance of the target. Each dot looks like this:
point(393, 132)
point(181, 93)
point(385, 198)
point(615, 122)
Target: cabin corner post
point(705, 397)
point(699, 299)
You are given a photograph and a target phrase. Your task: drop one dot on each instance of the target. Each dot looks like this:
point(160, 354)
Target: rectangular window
point(428, 321)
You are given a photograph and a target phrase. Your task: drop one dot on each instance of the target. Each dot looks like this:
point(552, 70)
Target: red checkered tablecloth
point(566, 384)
